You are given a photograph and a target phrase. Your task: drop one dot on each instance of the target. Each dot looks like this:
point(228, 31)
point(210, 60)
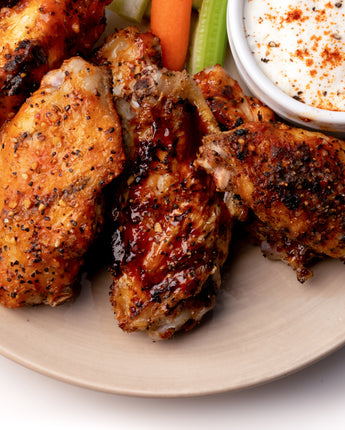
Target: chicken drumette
point(36, 36)
point(59, 151)
point(173, 227)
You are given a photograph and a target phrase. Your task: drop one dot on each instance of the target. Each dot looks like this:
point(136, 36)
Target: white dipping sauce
point(300, 46)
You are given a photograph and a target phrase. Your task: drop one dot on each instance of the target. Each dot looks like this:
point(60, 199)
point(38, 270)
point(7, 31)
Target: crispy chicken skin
point(173, 228)
point(227, 101)
point(232, 108)
point(292, 179)
point(59, 151)
point(277, 245)
point(36, 37)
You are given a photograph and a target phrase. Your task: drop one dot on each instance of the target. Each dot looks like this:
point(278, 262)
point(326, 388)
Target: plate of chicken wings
point(137, 206)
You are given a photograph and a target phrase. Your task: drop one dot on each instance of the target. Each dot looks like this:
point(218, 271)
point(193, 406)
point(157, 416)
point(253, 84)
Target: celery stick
point(132, 10)
point(209, 40)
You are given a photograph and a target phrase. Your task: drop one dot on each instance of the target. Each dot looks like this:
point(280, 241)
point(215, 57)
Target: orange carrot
point(170, 21)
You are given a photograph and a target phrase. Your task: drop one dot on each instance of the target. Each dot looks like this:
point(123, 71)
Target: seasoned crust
point(172, 229)
point(60, 150)
point(292, 179)
point(36, 37)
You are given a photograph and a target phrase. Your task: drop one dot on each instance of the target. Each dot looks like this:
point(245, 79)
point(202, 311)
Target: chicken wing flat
point(36, 37)
point(59, 151)
point(292, 179)
point(173, 227)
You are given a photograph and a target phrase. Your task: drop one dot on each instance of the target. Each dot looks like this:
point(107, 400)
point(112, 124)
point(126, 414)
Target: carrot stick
point(170, 21)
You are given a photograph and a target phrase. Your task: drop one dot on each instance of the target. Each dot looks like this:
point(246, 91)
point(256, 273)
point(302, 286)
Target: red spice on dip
point(300, 46)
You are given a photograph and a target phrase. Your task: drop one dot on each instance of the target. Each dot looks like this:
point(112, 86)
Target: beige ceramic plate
point(265, 325)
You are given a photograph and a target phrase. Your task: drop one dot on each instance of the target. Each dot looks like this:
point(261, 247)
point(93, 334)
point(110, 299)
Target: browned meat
point(227, 101)
point(276, 245)
point(59, 151)
point(36, 37)
point(292, 179)
point(232, 109)
point(173, 228)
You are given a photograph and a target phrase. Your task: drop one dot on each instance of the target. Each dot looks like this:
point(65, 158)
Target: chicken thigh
point(59, 151)
point(173, 228)
point(36, 37)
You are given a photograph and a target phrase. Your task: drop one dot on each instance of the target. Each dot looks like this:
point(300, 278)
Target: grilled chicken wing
point(59, 151)
point(292, 179)
point(36, 37)
point(173, 228)
point(232, 108)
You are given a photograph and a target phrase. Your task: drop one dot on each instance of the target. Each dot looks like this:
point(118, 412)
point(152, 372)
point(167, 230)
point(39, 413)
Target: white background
point(313, 398)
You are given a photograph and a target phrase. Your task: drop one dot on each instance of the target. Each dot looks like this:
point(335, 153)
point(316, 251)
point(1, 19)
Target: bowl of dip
point(291, 55)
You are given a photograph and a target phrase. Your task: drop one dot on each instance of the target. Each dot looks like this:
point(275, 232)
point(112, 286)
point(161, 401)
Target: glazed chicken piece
point(292, 179)
point(59, 151)
point(36, 37)
point(173, 228)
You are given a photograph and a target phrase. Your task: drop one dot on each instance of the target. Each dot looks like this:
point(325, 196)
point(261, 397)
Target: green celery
point(208, 43)
point(132, 10)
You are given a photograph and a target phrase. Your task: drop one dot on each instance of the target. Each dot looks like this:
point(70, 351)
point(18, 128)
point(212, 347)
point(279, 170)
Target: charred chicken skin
point(36, 37)
point(292, 179)
point(58, 152)
point(173, 227)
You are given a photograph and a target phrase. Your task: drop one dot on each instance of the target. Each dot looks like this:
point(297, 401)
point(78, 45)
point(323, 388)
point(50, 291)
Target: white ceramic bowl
point(263, 88)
